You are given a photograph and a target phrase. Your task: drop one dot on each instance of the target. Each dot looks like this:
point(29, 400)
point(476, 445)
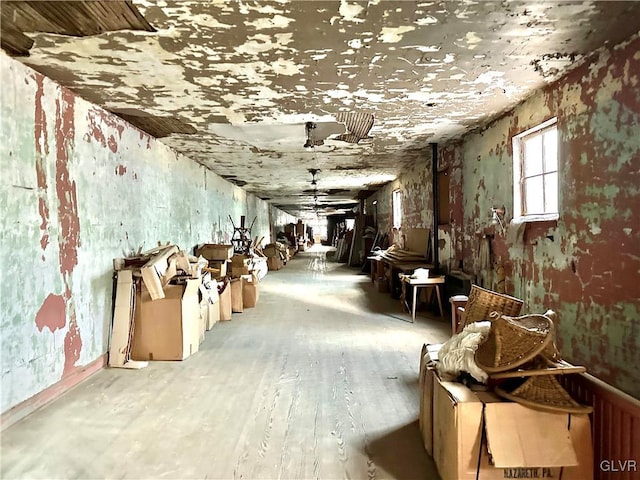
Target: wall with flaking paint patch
point(279, 220)
point(585, 266)
point(79, 188)
point(417, 205)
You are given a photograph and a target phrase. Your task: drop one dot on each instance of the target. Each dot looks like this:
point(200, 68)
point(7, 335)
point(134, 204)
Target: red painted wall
point(586, 265)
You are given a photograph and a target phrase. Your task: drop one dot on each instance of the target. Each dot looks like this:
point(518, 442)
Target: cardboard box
point(240, 261)
point(476, 436)
point(250, 291)
point(425, 419)
point(221, 266)
point(428, 357)
point(209, 307)
point(237, 305)
point(203, 319)
point(274, 263)
point(167, 328)
point(157, 272)
point(214, 251)
point(225, 303)
point(270, 250)
point(426, 408)
point(238, 271)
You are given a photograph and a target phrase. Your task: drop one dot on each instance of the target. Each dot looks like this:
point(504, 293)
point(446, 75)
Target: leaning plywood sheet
point(417, 240)
point(154, 272)
point(122, 332)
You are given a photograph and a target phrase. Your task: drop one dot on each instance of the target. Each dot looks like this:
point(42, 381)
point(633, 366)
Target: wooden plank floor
point(318, 381)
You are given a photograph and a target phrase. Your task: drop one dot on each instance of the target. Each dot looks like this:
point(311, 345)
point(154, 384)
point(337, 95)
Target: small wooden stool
point(416, 283)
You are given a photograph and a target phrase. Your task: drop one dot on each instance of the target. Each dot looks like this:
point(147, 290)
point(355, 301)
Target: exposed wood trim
point(49, 394)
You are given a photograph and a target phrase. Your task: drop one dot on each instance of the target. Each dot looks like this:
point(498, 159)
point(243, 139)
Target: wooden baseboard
point(49, 394)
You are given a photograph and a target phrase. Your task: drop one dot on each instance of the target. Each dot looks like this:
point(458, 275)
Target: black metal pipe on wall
point(436, 220)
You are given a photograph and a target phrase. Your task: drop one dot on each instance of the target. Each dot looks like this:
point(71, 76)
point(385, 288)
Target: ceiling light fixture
point(314, 172)
point(314, 182)
point(309, 128)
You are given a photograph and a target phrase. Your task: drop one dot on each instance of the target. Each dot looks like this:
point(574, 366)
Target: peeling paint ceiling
point(234, 85)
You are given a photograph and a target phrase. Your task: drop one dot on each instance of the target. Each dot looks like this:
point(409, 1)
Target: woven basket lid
point(541, 393)
point(513, 341)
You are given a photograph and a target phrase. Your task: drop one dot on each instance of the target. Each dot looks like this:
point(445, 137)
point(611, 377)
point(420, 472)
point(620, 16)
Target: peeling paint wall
point(417, 205)
point(585, 266)
point(79, 188)
point(279, 220)
point(415, 186)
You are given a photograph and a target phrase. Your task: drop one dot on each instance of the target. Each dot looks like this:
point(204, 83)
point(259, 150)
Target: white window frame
point(396, 204)
point(519, 213)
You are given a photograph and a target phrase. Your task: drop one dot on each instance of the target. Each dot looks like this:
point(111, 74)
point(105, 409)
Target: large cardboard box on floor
point(237, 305)
point(476, 436)
point(238, 271)
point(274, 263)
point(225, 303)
point(213, 316)
point(214, 251)
point(271, 250)
point(427, 373)
point(167, 328)
point(209, 308)
point(240, 265)
point(250, 291)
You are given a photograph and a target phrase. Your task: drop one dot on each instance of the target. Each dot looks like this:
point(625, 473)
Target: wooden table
point(433, 283)
point(402, 268)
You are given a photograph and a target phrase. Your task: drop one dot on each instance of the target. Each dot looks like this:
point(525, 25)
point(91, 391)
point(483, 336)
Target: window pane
point(533, 195)
point(551, 193)
point(533, 156)
point(550, 150)
point(397, 208)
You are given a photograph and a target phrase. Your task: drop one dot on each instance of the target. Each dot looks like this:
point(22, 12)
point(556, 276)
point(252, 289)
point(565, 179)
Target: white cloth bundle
point(420, 273)
point(457, 354)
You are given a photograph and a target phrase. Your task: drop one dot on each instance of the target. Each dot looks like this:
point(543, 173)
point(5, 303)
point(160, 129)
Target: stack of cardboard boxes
point(218, 257)
point(238, 277)
point(166, 300)
point(164, 304)
point(277, 255)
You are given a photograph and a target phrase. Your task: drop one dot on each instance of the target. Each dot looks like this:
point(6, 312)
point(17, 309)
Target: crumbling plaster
point(417, 206)
point(427, 71)
point(584, 266)
point(79, 188)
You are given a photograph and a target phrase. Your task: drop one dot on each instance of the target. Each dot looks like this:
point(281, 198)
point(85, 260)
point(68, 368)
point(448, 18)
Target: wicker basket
point(540, 365)
point(513, 342)
point(541, 392)
point(482, 302)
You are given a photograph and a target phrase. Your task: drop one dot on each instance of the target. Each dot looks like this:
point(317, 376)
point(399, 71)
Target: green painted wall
point(80, 187)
